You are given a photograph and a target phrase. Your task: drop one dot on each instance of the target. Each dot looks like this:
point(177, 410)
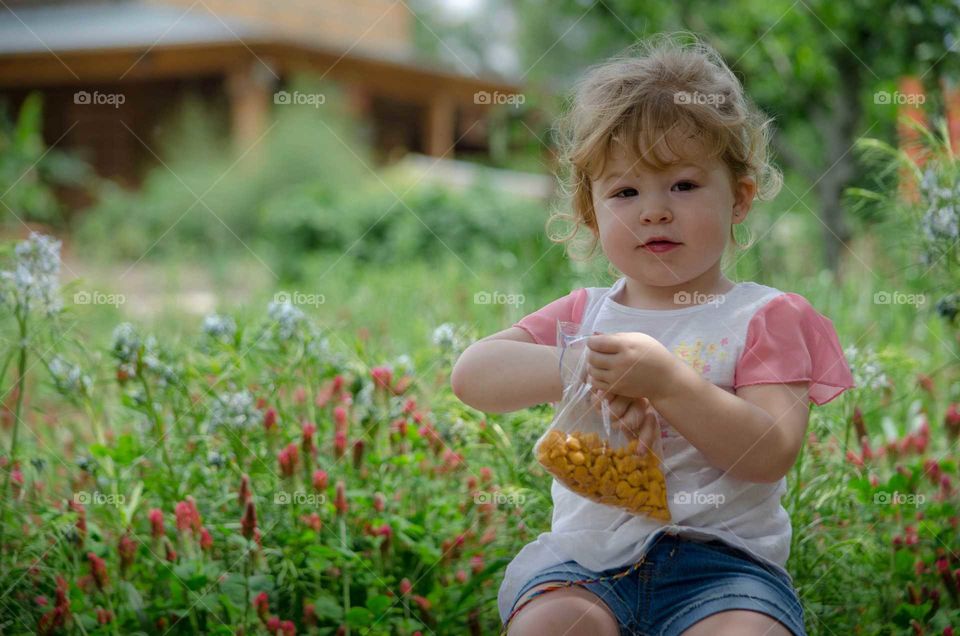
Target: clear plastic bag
point(589, 454)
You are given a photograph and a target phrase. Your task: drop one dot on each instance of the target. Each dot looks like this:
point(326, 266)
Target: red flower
point(382, 377)
point(244, 490)
point(379, 502)
point(320, 479)
point(358, 447)
point(288, 460)
point(341, 499)
point(206, 540)
point(156, 522)
point(925, 382)
point(476, 564)
point(288, 628)
point(273, 624)
point(402, 385)
point(422, 601)
point(313, 520)
point(340, 417)
point(195, 520)
point(104, 616)
point(405, 586)
point(98, 570)
point(854, 459)
point(309, 615)
point(409, 406)
point(952, 420)
point(16, 479)
point(127, 549)
point(171, 553)
point(307, 443)
point(262, 604)
point(81, 520)
point(184, 516)
point(249, 523)
point(339, 444)
point(54, 620)
point(858, 423)
point(270, 418)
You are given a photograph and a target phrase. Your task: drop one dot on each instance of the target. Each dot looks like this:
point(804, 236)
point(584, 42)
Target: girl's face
point(693, 203)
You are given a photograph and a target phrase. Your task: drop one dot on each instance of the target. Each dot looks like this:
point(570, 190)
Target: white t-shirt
point(753, 334)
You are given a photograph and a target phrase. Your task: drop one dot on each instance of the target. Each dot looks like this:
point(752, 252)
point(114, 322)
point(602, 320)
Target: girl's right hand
point(635, 416)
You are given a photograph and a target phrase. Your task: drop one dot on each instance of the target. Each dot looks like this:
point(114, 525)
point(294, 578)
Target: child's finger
point(649, 433)
point(619, 406)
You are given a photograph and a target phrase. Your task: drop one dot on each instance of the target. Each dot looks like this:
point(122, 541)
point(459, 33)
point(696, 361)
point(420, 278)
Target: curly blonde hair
point(667, 83)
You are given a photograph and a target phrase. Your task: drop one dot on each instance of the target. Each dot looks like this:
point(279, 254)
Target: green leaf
point(359, 616)
point(378, 604)
point(906, 611)
point(903, 563)
point(327, 606)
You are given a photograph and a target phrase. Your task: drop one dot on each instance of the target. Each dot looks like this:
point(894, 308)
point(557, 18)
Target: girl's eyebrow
point(676, 166)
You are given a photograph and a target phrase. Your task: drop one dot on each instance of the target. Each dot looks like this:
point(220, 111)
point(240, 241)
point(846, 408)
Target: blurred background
point(387, 168)
point(196, 155)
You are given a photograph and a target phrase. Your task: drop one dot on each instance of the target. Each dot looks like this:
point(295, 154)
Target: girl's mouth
point(660, 246)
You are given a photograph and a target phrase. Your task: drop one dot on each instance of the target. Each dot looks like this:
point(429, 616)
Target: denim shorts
point(679, 582)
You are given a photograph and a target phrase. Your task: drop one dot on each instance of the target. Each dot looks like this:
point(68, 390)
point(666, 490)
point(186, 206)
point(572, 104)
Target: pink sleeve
point(788, 341)
point(542, 324)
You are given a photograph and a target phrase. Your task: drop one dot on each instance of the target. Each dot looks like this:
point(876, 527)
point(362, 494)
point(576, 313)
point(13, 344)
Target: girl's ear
point(743, 195)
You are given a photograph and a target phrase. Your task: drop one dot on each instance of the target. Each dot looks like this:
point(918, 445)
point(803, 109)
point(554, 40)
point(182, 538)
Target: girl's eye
point(690, 185)
point(624, 191)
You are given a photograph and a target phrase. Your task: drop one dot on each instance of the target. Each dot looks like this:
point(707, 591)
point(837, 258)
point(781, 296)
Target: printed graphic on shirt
point(702, 357)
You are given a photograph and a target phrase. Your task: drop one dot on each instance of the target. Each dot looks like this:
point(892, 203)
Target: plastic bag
point(589, 454)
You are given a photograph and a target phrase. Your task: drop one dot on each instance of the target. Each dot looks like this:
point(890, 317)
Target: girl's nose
point(656, 215)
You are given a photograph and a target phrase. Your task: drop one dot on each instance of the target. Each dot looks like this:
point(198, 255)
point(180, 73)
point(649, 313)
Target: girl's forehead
point(621, 162)
point(662, 152)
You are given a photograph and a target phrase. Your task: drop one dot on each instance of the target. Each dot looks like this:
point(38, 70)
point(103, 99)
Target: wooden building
point(239, 55)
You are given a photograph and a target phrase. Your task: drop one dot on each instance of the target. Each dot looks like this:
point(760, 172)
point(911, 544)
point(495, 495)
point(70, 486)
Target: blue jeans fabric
point(682, 581)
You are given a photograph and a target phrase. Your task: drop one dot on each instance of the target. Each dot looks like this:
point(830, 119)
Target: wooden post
point(438, 131)
point(249, 88)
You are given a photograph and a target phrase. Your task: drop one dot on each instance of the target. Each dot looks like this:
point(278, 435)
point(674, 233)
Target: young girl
point(665, 154)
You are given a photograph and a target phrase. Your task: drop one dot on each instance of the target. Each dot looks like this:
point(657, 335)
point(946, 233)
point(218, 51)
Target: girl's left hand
point(634, 416)
point(632, 364)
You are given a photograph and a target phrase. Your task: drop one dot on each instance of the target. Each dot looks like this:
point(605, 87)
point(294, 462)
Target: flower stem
point(346, 572)
point(21, 390)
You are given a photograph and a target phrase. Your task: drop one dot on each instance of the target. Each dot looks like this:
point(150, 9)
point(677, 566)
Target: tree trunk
point(836, 120)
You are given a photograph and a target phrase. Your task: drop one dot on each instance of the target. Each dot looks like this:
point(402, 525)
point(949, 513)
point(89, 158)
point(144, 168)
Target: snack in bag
point(588, 455)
